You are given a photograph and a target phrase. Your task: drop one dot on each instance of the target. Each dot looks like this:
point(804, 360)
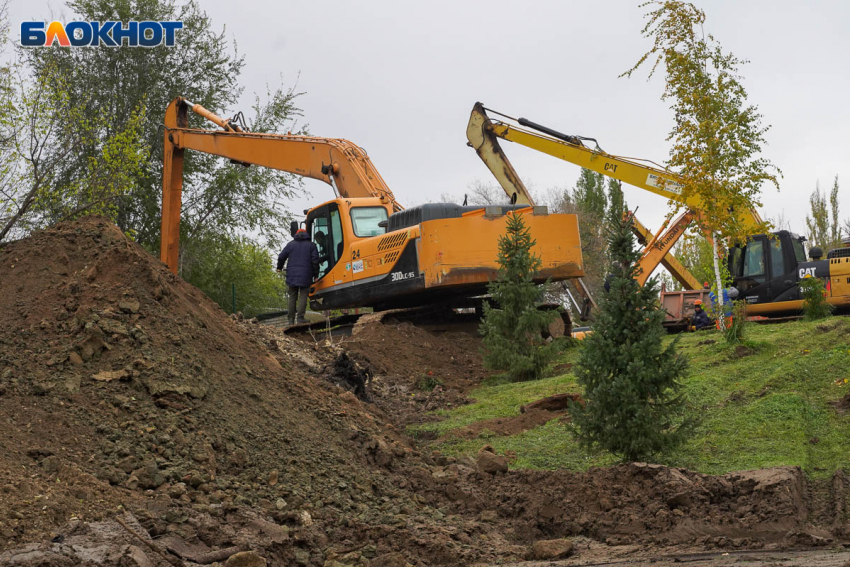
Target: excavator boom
point(339, 163)
point(634, 172)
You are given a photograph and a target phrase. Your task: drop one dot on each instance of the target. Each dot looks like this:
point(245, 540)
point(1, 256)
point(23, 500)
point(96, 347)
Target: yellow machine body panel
point(839, 279)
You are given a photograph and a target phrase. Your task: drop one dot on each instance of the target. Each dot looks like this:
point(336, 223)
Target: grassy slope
point(771, 407)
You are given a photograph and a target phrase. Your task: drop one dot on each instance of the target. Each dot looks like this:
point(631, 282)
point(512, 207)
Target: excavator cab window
point(799, 251)
point(337, 245)
point(326, 230)
point(747, 265)
point(777, 259)
point(366, 221)
point(754, 261)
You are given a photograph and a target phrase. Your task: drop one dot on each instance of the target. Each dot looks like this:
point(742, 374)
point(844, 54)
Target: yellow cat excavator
point(766, 270)
point(374, 253)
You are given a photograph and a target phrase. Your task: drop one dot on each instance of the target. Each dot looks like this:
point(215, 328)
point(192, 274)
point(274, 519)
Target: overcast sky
point(399, 79)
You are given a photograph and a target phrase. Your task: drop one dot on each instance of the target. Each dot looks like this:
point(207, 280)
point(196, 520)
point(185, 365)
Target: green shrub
point(734, 332)
point(815, 305)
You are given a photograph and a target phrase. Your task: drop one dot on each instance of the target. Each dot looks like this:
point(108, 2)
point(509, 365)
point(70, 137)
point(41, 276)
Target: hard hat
point(697, 302)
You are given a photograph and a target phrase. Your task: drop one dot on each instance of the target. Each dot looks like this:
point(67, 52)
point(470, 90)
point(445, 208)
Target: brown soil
point(416, 371)
point(126, 393)
point(742, 351)
point(207, 423)
point(843, 404)
point(558, 402)
point(403, 351)
point(506, 426)
point(643, 503)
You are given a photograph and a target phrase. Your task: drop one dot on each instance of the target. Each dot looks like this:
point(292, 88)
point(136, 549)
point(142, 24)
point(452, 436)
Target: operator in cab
point(302, 257)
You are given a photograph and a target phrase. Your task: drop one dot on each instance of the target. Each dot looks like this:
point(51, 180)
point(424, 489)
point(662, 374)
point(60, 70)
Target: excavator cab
point(343, 231)
point(764, 270)
point(334, 226)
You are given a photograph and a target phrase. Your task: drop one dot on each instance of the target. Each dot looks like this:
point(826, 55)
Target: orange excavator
point(374, 253)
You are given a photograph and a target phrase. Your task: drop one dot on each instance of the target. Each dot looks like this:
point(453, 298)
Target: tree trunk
point(25, 205)
point(719, 283)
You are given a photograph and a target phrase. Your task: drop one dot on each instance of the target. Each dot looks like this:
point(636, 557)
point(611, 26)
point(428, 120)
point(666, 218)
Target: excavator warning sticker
point(357, 266)
point(662, 183)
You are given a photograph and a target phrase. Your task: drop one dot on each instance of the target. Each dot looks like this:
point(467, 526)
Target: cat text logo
point(109, 34)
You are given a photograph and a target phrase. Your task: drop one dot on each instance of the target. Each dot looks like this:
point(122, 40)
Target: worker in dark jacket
point(303, 258)
point(700, 320)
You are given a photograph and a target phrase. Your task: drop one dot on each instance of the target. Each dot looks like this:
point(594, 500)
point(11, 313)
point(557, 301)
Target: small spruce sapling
point(512, 326)
point(631, 382)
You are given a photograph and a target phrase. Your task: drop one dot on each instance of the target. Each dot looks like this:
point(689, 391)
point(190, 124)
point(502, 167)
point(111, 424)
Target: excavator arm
point(483, 135)
point(657, 249)
point(634, 172)
point(481, 138)
point(339, 163)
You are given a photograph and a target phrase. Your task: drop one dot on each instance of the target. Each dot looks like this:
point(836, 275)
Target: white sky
point(399, 79)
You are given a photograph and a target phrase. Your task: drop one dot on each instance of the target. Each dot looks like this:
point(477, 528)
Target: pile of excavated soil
point(127, 395)
point(404, 351)
point(416, 371)
point(124, 388)
point(646, 504)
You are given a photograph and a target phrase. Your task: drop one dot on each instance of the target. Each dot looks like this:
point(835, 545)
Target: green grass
point(769, 407)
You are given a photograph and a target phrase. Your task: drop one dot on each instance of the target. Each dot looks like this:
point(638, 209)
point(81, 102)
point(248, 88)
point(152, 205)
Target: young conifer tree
point(513, 326)
point(633, 407)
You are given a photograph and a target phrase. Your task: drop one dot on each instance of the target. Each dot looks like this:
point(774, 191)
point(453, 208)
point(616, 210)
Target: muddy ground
point(141, 425)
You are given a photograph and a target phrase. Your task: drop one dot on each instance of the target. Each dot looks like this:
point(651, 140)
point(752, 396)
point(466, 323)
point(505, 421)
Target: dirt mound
point(403, 350)
point(637, 503)
point(123, 386)
point(416, 371)
point(558, 402)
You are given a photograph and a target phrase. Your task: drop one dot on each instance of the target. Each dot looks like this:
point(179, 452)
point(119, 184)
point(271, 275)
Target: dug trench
point(142, 425)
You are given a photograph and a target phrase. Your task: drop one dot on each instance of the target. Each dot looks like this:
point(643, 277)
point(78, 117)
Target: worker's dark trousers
point(298, 294)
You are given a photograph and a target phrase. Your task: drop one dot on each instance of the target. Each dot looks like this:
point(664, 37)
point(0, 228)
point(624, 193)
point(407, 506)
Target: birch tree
point(717, 136)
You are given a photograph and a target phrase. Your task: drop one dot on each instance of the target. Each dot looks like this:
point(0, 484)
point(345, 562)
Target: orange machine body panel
point(460, 251)
point(446, 260)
